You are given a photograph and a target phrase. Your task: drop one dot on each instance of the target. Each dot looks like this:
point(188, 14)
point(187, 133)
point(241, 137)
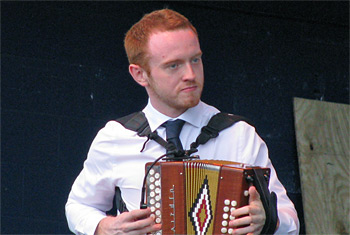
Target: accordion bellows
point(197, 196)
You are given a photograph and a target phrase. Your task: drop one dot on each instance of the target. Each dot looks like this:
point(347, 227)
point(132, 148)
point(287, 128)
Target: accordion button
point(157, 183)
point(223, 230)
point(232, 217)
point(234, 203)
point(224, 223)
point(157, 175)
point(152, 194)
point(158, 198)
point(230, 231)
point(152, 179)
point(151, 172)
point(157, 205)
point(152, 187)
point(152, 201)
point(158, 212)
point(225, 216)
point(232, 209)
point(226, 209)
point(246, 193)
point(153, 209)
point(227, 202)
point(158, 220)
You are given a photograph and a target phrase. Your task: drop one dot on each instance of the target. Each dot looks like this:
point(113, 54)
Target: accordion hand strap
point(269, 201)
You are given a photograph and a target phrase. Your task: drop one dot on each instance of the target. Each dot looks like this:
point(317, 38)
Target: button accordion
point(197, 196)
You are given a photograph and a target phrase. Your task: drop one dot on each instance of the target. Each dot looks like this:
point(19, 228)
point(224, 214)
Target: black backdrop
point(64, 74)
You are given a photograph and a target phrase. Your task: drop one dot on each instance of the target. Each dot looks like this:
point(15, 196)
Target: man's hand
point(251, 218)
point(133, 222)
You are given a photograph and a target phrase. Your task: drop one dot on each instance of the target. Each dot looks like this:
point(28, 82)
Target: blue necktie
point(173, 129)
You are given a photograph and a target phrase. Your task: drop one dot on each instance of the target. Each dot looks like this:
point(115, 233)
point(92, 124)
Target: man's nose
point(189, 73)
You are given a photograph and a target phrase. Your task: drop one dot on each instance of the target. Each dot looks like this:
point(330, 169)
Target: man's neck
point(168, 111)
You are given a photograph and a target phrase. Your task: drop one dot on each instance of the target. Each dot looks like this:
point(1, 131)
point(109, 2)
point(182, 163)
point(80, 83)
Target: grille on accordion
point(197, 196)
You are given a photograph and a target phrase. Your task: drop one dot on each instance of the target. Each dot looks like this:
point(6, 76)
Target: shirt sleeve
point(254, 146)
point(93, 190)
point(247, 147)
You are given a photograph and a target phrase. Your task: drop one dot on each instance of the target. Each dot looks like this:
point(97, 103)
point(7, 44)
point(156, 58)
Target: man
point(165, 58)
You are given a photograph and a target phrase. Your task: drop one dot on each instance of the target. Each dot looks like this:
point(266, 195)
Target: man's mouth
point(189, 88)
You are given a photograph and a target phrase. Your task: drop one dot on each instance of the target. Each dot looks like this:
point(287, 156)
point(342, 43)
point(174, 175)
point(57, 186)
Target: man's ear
point(139, 74)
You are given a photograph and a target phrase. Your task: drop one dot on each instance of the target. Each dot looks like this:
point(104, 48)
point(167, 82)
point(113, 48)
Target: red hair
point(136, 39)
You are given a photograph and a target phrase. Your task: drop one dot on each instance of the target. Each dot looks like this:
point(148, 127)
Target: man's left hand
point(249, 219)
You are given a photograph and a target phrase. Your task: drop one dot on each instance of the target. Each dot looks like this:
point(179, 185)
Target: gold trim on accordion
point(197, 196)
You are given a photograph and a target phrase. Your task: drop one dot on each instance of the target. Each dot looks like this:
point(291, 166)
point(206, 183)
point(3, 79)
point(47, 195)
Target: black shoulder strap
point(136, 122)
point(118, 204)
point(217, 123)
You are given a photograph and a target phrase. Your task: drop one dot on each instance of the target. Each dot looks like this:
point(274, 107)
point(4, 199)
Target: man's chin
point(191, 103)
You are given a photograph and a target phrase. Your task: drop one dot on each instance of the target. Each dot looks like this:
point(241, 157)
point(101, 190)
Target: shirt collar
point(155, 118)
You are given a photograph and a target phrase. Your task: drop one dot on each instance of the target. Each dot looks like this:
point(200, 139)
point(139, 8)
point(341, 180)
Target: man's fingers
point(253, 194)
point(247, 220)
point(153, 228)
point(134, 215)
point(133, 222)
point(141, 214)
point(139, 219)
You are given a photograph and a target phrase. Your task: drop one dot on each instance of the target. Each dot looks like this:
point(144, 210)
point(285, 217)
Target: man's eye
point(195, 60)
point(173, 66)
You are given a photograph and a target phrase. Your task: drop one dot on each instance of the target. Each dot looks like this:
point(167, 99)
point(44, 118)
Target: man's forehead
point(163, 42)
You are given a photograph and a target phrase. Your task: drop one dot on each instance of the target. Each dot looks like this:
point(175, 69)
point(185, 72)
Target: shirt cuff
point(287, 224)
point(89, 226)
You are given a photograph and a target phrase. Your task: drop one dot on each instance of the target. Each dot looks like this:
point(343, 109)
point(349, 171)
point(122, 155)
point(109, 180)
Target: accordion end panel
point(173, 200)
point(165, 196)
point(233, 194)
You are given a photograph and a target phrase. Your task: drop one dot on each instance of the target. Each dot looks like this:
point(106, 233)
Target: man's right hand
point(133, 222)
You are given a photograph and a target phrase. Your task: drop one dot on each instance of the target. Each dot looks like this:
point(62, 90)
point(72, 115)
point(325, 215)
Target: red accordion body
point(197, 196)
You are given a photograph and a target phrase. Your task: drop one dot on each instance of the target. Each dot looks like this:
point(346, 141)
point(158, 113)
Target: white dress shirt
point(114, 159)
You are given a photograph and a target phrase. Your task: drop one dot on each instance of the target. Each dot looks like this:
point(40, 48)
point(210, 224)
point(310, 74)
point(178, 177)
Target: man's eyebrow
point(172, 61)
point(198, 54)
point(178, 60)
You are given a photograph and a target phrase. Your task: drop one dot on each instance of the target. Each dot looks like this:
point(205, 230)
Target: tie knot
point(173, 128)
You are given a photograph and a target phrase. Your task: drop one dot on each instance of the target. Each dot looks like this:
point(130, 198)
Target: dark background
point(64, 74)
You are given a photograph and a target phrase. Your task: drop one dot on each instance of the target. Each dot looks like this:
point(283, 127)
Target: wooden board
point(322, 133)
